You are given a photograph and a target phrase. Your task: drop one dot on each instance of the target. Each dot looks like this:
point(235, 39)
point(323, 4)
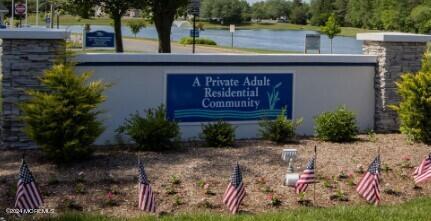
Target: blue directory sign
point(231, 97)
point(99, 39)
point(194, 33)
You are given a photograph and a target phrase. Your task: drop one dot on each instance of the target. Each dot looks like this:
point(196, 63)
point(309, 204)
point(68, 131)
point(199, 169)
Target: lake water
point(283, 40)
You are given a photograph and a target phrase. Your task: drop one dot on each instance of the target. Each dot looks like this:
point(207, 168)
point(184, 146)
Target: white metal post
point(37, 12)
point(13, 14)
point(26, 12)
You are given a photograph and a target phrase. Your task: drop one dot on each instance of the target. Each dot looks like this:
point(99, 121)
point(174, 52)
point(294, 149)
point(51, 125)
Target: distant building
point(134, 13)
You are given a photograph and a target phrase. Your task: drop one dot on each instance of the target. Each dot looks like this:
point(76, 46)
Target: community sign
point(231, 97)
point(99, 39)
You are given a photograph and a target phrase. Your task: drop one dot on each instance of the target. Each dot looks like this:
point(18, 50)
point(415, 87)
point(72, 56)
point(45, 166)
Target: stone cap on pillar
point(393, 37)
point(34, 33)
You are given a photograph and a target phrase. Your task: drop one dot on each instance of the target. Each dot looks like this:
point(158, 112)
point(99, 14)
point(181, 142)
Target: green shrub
point(152, 132)
point(426, 61)
point(338, 126)
point(200, 41)
point(280, 130)
point(63, 118)
point(415, 107)
point(219, 134)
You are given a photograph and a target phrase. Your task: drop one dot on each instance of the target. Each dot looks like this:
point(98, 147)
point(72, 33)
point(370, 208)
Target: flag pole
point(315, 174)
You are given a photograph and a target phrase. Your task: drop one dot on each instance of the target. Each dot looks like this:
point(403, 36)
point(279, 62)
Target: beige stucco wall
point(321, 83)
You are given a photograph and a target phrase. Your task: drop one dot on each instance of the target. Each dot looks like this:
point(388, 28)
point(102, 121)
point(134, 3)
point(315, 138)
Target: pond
point(283, 40)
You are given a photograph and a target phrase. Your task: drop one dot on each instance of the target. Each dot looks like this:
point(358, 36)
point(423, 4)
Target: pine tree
point(63, 119)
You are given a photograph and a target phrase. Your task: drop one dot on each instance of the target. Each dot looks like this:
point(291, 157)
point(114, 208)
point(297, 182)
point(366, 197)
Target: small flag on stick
point(368, 187)
point(235, 191)
point(146, 197)
point(307, 177)
point(27, 194)
point(423, 171)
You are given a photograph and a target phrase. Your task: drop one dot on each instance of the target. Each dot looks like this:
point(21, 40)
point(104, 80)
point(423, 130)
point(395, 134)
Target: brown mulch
point(85, 185)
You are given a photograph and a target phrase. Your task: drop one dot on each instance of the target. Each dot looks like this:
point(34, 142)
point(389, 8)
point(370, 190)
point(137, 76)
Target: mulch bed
point(85, 186)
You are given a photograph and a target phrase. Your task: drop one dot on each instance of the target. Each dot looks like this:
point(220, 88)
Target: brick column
point(397, 53)
point(26, 53)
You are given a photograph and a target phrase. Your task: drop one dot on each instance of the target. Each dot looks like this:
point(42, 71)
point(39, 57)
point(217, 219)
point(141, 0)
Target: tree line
point(393, 15)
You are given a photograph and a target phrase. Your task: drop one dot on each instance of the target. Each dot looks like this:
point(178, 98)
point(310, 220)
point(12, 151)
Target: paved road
point(149, 46)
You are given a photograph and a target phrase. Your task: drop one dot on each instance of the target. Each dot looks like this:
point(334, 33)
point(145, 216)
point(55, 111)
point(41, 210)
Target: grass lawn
point(416, 210)
point(226, 49)
point(345, 31)
point(72, 20)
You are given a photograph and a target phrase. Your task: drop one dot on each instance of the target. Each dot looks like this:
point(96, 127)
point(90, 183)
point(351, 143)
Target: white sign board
point(312, 43)
point(194, 7)
point(232, 28)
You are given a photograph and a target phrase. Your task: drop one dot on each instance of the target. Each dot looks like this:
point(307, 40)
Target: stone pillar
point(397, 53)
point(26, 53)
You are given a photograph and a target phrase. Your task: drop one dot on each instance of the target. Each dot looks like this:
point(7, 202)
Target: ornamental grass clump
point(338, 126)
point(62, 118)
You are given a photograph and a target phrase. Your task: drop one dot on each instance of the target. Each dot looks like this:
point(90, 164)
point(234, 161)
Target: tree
point(63, 119)
point(298, 13)
point(136, 26)
point(360, 13)
point(163, 14)
point(320, 10)
point(331, 28)
point(259, 11)
point(277, 8)
point(226, 11)
point(82, 8)
point(413, 110)
point(421, 18)
point(340, 10)
point(116, 9)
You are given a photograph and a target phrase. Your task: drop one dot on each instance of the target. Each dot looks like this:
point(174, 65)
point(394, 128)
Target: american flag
point(368, 188)
point(147, 200)
point(307, 177)
point(27, 194)
point(423, 171)
point(235, 191)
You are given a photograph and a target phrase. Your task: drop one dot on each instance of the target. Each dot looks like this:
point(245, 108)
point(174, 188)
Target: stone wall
point(23, 61)
point(394, 59)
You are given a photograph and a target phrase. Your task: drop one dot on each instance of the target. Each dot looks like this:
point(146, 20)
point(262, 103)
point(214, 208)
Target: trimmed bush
point(280, 130)
point(415, 107)
point(63, 119)
point(199, 41)
point(338, 126)
point(152, 132)
point(219, 134)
